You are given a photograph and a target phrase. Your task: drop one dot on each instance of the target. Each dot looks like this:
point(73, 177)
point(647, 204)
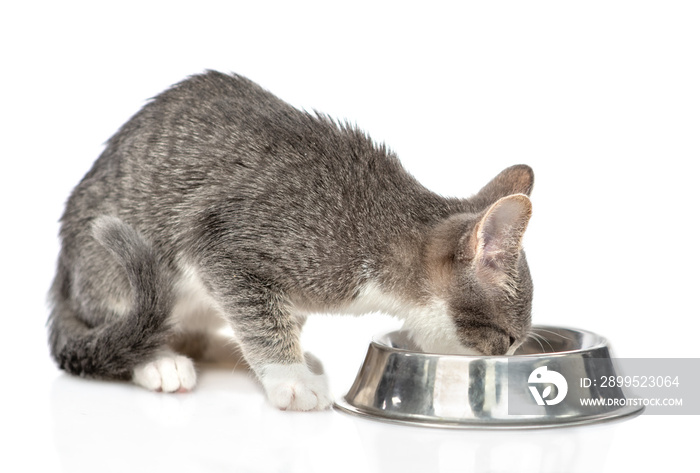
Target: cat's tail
point(112, 350)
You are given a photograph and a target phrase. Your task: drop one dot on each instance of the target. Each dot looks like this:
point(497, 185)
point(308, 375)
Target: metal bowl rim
point(601, 342)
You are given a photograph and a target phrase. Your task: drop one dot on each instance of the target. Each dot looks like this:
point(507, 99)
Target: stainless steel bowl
point(556, 378)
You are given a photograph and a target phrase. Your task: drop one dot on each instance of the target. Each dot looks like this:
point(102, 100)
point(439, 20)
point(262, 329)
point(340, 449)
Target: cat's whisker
point(539, 337)
point(554, 333)
point(532, 336)
point(544, 339)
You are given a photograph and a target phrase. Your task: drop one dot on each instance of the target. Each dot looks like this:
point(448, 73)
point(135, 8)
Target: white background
point(600, 98)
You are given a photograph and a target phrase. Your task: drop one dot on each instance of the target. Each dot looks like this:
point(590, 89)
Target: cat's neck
point(413, 263)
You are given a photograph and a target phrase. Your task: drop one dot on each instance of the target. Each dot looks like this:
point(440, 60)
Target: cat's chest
point(370, 299)
point(430, 325)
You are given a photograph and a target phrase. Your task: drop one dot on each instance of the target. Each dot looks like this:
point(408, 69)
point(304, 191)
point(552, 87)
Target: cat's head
point(477, 270)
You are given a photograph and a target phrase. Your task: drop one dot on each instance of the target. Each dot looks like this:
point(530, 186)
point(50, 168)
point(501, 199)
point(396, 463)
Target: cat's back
point(222, 129)
point(220, 120)
point(214, 91)
point(211, 128)
point(209, 109)
point(193, 134)
point(216, 138)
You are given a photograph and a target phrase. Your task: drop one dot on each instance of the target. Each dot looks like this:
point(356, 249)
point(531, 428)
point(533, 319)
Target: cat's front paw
point(167, 373)
point(295, 387)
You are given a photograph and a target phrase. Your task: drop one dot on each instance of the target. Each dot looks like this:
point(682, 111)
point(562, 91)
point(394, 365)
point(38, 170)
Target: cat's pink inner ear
point(500, 232)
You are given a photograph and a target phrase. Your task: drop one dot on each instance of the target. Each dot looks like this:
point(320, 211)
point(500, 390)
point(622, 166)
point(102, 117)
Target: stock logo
point(542, 376)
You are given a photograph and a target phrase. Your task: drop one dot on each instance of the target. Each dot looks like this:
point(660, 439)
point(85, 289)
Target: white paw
point(168, 373)
point(295, 387)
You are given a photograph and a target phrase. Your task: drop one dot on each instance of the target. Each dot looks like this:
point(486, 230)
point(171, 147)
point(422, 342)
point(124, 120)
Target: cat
point(218, 204)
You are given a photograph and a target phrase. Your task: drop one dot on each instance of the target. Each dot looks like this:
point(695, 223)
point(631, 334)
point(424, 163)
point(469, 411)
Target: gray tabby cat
point(218, 203)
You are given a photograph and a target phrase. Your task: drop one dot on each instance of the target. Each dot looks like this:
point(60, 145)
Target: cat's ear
point(518, 179)
point(497, 238)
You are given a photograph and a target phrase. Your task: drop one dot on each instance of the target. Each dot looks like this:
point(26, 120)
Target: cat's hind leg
point(167, 372)
point(111, 302)
point(195, 322)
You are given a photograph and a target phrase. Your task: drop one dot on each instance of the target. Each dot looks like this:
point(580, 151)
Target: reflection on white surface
point(226, 425)
point(423, 449)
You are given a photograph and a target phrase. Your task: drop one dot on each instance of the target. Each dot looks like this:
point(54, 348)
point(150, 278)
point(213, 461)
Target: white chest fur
point(430, 324)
